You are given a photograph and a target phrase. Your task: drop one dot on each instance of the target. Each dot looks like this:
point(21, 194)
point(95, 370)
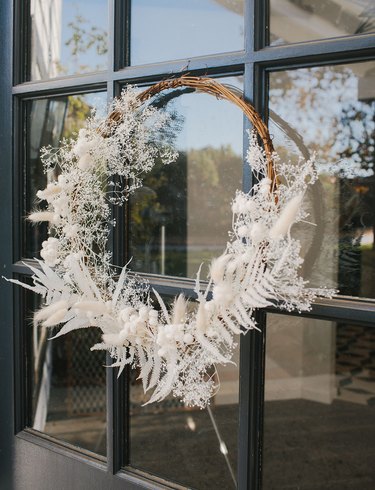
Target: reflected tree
point(84, 38)
point(191, 200)
point(340, 129)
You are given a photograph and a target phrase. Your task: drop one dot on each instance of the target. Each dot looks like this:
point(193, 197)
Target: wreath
point(175, 348)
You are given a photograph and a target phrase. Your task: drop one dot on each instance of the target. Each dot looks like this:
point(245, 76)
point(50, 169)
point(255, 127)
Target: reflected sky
point(68, 37)
point(86, 15)
point(296, 21)
point(204, 123)
point(163, 30)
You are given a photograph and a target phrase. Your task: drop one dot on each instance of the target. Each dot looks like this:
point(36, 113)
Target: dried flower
point(176, 349)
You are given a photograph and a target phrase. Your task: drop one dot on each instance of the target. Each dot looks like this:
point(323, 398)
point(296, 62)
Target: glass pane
point(66, 383)
point(294, 21)
point(330, 110)
point(163, 30)
point(67, 37)
point(48, 121)
point(320, 405)
point(181, 216)
point(189, 446)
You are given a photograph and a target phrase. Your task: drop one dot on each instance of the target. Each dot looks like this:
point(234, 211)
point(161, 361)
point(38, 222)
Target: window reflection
point(67, 37)
point(319, 404)
point(193, 447)
point(48, 122)
point(181, 217)
point(163, 30)
point(330, 110)
point(67, 384)
point(294, 21)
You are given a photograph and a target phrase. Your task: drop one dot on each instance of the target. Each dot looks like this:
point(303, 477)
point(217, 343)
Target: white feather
point(80, 279)
point(156, 370)
point(51, 278)
point(73, 324)
point(223, 332)
point(166, 384)
point(145, 366)
point(37, 289)
point(197, 287)
point(120, 284)
point(162, 306)
point(230, 324)
point(89, 280)
point(210, 348)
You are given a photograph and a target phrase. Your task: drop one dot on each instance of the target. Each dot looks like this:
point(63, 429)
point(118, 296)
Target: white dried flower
point(50, 251)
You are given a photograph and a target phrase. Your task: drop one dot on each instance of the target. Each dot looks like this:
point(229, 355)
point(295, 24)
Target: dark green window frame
point(254, 63)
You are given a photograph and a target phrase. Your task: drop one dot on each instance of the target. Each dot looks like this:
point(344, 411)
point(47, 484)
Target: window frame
point(255, 63)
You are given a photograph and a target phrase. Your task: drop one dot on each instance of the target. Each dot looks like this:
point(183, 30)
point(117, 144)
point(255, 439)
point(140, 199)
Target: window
point(299, 406)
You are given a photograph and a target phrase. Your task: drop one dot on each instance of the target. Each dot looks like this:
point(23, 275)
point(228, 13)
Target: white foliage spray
point(175, 349)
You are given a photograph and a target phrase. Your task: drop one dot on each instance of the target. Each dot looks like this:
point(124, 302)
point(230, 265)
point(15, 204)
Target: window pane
point(66, 383)
point(320, 405)
point(330, 110)
point(294, 21)
point(190, 446)
point(163, 30)
point(67, 37)
point(48, 121)
point(181, 217)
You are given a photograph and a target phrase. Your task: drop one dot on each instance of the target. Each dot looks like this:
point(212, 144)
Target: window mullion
point(252, 347)
point(252, 361)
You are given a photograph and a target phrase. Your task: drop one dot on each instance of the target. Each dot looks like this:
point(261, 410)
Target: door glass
point(294, 21)
point(163, 30)
point(330, 110)
point(319, 427)
point(181, 216)
point(190, 446)
point(67, 37)
point(66, 383)
point(48, 122)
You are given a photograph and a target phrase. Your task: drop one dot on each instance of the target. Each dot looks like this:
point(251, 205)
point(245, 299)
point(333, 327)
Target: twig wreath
point(176, 349)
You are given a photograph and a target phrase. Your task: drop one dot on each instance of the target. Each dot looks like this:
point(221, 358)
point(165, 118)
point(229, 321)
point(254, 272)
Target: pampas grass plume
point(218, 266)
point(112, 339)
point(92, 307)
point(179, 310)
point(287, 218)
point(48, 311)
point(39, 216)
point(56, 318)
